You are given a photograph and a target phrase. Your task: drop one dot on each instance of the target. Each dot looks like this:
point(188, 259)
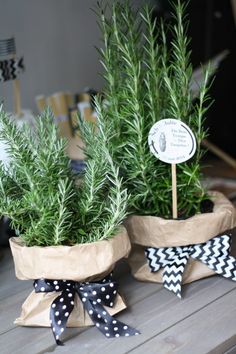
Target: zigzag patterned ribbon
point(214, 253)
point(11, 68)
point(93, 296)
point(7, 47)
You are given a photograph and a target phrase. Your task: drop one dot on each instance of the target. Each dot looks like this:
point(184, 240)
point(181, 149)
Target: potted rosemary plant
point(70, 232)
point(146, 81)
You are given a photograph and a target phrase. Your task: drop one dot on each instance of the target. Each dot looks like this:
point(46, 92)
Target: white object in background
point(81, 107)
point(26, 117)
point(3, 154)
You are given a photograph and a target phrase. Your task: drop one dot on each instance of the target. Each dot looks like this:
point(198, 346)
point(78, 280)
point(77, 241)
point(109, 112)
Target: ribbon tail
point(94, 297)
point(173, 273)
point(215, 254)
point(225, 266)
point(59, 342)
point(106, 324)
point(60, 311)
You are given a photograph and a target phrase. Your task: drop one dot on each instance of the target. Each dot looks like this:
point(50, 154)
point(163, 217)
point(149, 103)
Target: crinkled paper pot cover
point(36, 308)
point(85, 262)
point(81, 262)
point(151, 231)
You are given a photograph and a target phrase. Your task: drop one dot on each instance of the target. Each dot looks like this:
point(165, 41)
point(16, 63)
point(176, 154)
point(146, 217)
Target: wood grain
point(203, 322)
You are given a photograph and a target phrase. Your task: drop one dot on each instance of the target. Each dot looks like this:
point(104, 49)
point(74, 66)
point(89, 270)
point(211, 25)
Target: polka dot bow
point(93, 296)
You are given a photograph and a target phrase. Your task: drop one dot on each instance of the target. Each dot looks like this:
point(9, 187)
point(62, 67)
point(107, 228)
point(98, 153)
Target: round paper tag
point(172, 141)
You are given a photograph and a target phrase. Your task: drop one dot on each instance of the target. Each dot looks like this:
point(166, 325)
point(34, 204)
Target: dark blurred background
point(212, 29)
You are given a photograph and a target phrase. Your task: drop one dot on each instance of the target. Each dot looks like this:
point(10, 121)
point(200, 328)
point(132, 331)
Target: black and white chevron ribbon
point(93, 296)
point(11, 68)
point(215, 254)
point(7, 47)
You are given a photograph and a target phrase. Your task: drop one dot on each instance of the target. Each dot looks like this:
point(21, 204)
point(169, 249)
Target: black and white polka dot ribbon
point(10, 68)
point(215, 253)
point(94, 297)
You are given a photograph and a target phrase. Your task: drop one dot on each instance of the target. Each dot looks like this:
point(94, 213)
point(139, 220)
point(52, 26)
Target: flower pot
point(88, 262)
point(156, 232)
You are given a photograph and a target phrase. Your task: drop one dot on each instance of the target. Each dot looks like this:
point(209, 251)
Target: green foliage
point(145, 82)
point(47, 204)
point(103, 203)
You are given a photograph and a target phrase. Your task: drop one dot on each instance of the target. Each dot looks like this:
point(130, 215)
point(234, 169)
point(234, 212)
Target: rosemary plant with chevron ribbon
point(147, 80)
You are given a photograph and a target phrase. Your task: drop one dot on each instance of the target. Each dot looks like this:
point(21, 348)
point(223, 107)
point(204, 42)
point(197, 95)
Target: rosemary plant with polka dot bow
point(47, 204)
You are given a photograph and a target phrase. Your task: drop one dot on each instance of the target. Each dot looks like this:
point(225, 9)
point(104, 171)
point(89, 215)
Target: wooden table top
point(204, 321)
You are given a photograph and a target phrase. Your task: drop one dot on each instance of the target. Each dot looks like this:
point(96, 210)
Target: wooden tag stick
point(174, 191)
point(172, 142)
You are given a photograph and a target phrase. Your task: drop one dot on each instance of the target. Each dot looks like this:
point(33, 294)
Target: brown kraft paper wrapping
point(84, 262)
point(151, 231)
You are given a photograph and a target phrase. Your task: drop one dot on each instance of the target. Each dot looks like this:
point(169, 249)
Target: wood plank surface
point(231, 350)
point(213, 326)
point(154, 315)
point(204, 321)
